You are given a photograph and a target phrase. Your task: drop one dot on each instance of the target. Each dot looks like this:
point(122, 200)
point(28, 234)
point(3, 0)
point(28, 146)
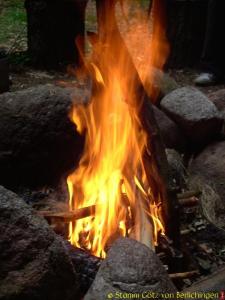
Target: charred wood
point(85, 265)
point(188, 202)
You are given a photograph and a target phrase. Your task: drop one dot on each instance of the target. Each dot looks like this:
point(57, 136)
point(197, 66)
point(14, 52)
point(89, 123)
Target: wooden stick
point(69, 216)
point(143, 230)
point(90, 210)
point(184, 275)
point(185, 231)
point(202, 248)
point(189, 194)
point(189, 202)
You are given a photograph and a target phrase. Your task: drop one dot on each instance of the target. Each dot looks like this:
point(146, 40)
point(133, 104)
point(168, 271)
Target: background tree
point(186, 24)
point(53, 26)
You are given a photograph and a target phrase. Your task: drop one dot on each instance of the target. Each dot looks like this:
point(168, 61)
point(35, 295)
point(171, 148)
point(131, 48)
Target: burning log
point(143, 229)
point(154, 158)
point(123, 151)
point(84, 212)
point(69, 216)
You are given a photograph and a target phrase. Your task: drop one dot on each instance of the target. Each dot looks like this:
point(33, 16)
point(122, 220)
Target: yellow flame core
point(110, 171)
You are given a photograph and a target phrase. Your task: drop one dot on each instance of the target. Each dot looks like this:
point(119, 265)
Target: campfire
point(112, 181)
point(118, 180)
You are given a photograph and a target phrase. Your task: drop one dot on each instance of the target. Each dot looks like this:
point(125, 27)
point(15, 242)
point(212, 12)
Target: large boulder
point(218, 98)
point(38, 142)
point(161, 82)
point(129, 269)
point(34, 262)
point(213, 282)
point(177, 170)
point(207, 172)
point(170, 133)
point(195, 114)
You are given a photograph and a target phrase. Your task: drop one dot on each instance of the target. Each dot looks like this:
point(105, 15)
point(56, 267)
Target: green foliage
point(144, 3)
point(12, 20)
point(19, 58)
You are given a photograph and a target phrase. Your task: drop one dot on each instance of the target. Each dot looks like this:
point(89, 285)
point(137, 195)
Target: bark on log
point(53, 27)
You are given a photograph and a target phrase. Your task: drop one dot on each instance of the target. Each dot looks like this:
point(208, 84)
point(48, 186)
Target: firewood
point(154, 158)
point(184, 275)
point(185, 231)
point(201, 247)
point(189, 194)
point(143, 228)
point(188, 202)
point(69, 216)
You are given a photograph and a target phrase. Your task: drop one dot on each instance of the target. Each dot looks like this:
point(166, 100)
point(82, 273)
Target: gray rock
point(177, 169)
point(213, 282)
point(195, 114)
point(130, 268)
point(218, 98)
point(207, 171)
point(34, 262)
point(160, 81)
point(171, 135)
point(38, 142)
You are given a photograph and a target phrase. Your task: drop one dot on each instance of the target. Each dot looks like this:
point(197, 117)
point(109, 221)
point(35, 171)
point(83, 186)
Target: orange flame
point(110, 173)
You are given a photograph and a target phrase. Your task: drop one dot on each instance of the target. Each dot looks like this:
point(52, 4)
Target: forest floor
point(24, 77)
point(13, 39)
point(13, 25)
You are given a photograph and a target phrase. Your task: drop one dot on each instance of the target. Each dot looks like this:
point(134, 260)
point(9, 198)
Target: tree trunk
point(186, 24)
point(53, 27)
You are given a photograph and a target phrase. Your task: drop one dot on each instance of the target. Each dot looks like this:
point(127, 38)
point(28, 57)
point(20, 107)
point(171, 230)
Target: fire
point(111, 174)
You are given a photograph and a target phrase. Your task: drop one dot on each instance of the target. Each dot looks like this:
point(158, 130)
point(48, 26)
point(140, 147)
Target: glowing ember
point(111, 174)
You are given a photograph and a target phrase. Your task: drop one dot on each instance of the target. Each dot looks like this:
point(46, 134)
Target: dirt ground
point(186, 77)
point(24, 77)
point(13, 36)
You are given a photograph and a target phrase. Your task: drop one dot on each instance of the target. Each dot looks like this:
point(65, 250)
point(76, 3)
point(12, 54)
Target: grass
point(12, 23)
